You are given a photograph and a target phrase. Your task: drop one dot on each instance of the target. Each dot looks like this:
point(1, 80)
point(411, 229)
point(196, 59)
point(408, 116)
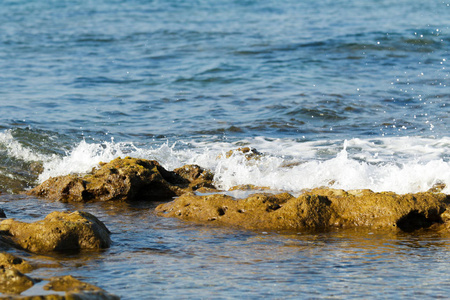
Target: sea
point(342, 94)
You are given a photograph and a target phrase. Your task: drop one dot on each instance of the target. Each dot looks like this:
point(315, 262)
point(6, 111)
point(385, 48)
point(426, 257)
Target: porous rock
point(9, 261)
point(58, 231)
point(124, 179)
point(318, 209)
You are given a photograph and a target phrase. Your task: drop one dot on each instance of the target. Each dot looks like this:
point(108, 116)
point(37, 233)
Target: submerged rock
point(13, 281)
point(125, 179)
point(317, 209)
point(71, 287)
point(76, 289)
point(58, 231)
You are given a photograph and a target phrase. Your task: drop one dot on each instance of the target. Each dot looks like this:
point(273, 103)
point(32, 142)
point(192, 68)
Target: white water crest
point(15, 149)
point(401, 165)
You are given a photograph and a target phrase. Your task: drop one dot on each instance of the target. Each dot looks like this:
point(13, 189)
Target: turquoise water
point(351, 94)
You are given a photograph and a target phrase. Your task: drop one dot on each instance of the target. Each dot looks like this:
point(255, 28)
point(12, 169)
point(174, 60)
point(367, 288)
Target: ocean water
point(345, 94)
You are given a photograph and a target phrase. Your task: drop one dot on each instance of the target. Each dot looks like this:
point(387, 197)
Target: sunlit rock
point(12, 281)
point(57, 232)
point(318, 209)
point(76, 289)
point(125, 179)
point(11, 261)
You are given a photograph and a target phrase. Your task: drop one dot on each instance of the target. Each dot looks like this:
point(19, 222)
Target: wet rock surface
point(249, 153)
point(197, 200)
point(59, 231)
point(8, 260)
point(126, 179)
point(65, 288)
point(12, 281)
point(76, 289)
point(318, 209)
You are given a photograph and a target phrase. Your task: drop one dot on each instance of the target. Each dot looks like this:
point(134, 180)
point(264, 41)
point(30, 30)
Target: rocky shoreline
point(189, 194)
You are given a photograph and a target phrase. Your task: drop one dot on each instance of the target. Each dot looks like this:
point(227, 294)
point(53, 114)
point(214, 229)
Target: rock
point(75, 287)
point(437, 187)
point(2, 214)
point(124, 179)
point(196, 178)
point(10, 261)
point(249, 153)
point(74, 290)
point(318, 209)
point(67, 296)
point(248, 187)
point(13, 281)
point(58, 231)
point(69, 284)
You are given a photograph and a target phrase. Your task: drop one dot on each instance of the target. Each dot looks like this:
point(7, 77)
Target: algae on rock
point(318, 209)
point(76, 289)
point(73, 289)
point(125, 179)
point(13, 281)
point(58, 231)
point(8, 260)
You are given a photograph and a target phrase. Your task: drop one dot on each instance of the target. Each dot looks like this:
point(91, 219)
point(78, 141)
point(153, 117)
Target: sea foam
point(401, 165)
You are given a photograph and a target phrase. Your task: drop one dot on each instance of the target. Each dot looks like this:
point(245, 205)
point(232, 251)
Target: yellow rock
point(318, 209)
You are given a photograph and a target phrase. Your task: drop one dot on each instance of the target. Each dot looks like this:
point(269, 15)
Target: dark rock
point(2, 214)
point(195, 177)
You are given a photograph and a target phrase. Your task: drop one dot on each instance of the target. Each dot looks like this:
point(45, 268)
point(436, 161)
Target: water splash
point(402, 165)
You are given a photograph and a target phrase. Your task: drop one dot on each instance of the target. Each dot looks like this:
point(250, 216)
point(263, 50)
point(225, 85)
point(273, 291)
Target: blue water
point(139, 69)
point(355, 91)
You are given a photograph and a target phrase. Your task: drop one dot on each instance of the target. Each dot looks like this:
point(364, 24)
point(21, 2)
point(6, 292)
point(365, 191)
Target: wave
point(401, 165)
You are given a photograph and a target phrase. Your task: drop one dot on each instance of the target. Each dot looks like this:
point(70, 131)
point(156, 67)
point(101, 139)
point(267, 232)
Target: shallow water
point(345, 94)
point(153, 257)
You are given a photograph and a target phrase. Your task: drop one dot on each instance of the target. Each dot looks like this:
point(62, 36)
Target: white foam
point(81, 159)
point(339, 172)
point(17, 150)
point(402, 165)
